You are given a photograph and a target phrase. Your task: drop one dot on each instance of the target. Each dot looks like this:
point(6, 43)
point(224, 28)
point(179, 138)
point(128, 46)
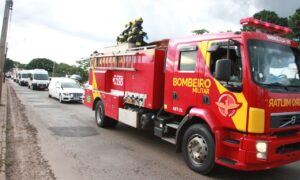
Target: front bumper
point(24, 83)
point(281, 151)
point(72, 98)
point(40, 86)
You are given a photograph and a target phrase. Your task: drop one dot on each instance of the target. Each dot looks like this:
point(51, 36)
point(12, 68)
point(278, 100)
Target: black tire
point(102, 120)
point(49, 96)
point(198, 148)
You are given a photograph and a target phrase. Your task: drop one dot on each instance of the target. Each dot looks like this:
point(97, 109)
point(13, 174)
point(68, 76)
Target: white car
point(65, 89)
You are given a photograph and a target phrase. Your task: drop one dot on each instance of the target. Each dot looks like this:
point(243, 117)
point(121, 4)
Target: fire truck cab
point(227, 98)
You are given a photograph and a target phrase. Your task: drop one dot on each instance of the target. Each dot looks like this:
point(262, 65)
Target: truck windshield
point(25, 75)
point(40, 76)
point(273, 64)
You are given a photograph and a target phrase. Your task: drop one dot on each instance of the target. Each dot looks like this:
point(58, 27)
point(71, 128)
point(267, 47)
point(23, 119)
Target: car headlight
point(261, 149)
point(66, 94)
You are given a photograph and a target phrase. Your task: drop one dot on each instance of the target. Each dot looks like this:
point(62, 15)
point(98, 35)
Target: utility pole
point(7, 9)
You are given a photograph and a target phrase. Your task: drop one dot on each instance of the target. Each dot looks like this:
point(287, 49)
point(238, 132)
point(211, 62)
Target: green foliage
point(84, 64)
point(9, 64)
point(62, 69)
point(271, 17)
point(294, 24)
point(40, 63)
point(199, 31)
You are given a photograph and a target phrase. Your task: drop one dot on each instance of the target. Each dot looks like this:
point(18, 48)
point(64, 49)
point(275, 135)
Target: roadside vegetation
point(54, 69)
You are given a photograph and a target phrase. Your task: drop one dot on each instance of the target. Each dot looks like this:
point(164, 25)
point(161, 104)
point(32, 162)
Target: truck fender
point(202, 115)
point(95, 102)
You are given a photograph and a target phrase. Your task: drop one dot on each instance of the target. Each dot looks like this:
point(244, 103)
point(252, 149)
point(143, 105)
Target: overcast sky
point(69, 30)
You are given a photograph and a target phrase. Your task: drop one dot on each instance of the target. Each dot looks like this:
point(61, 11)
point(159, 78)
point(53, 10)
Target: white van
point(39, 79)
point(65, 89)
point(23, 77)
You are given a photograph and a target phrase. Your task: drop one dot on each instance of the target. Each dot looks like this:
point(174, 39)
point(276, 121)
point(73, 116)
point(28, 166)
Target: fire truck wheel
point(198, 148)
point(101, 119)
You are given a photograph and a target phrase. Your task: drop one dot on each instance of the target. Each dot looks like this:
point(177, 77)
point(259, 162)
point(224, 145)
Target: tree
point(41, 63)
point(9, 64)
point(19, 65)
point(84, 63)
point(294, 24)
point(271, 17)
point(199, 31)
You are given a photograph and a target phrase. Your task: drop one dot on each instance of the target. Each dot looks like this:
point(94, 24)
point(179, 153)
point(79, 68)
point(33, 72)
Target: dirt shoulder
point(23, 159)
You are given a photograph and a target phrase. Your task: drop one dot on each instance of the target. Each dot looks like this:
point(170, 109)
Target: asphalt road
point(76, 148)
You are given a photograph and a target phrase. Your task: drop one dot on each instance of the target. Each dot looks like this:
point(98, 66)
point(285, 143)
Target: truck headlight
point(261, 149)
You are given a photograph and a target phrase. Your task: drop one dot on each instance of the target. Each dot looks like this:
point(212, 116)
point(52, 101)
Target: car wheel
point(49, 95)
point(101, 119)
point(198, 148)
point(60, 99)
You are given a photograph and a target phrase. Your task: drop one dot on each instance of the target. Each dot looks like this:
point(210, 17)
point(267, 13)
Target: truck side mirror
point(223, 70)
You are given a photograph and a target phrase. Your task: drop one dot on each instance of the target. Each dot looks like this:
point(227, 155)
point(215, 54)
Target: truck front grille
point(283, 120)
point(288, 148)
point(77, 94)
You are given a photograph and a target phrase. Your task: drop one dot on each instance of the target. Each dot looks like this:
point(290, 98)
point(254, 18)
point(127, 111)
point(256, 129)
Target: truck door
point(186, 78)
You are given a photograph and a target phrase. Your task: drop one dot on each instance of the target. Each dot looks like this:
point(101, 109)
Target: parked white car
point(65, 89)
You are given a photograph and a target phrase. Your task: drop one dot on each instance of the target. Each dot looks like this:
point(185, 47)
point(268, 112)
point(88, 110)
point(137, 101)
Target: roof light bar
point(265, 26)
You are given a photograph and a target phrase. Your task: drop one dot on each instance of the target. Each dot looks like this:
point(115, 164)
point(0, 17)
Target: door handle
point(175, 95)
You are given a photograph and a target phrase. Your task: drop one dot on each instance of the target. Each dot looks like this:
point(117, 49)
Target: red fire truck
point(231, 99)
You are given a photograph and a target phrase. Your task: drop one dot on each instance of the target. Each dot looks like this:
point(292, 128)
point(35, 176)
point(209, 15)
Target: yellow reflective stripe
point(96, 92)
point(203, 48)
point(94, 85)
point(256, 122)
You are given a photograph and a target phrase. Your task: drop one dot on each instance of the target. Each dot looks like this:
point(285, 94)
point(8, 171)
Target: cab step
point(172, 125)
point(231, 142)
point(169, 139)
point(228, 161)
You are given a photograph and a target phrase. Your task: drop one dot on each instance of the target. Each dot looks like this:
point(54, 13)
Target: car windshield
point(40, 76)
point(25, 75)
point(273, 64)
point(70, 85)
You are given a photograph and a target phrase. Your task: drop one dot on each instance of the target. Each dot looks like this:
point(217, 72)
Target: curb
point(4, 109)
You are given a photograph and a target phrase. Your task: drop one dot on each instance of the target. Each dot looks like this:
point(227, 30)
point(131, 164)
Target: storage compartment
point(128, 117)
point(111, 105)
point(103, 79)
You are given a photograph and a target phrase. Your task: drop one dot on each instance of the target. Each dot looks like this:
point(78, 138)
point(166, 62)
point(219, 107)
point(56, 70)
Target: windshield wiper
point(294, 88)
point(276, 85)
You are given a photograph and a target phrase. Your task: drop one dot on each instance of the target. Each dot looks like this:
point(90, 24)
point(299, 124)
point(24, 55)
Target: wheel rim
point(98, 114)
point(197, 149)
